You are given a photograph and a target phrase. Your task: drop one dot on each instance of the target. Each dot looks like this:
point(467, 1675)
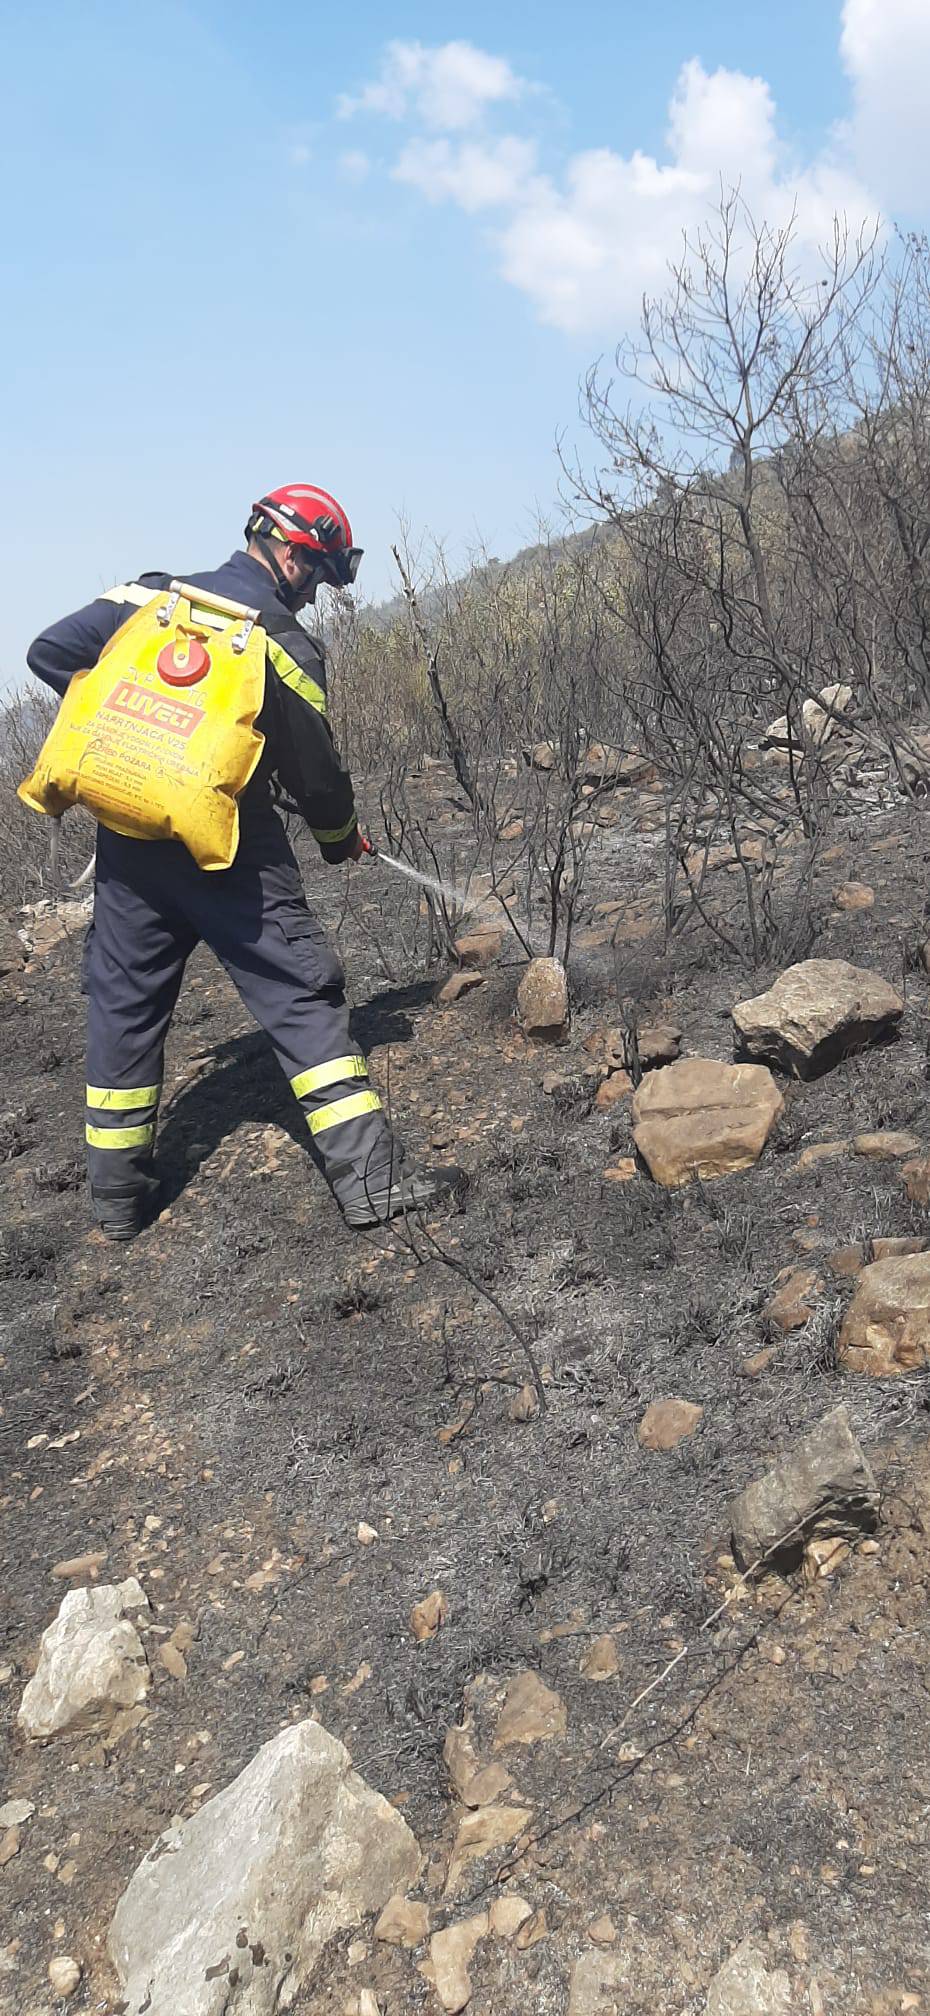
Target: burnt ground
point(218, 1406)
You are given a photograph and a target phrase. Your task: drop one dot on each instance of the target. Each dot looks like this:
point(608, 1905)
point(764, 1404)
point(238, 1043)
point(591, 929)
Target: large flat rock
point(228, 1912)
point(816, 1013)
point(701, 1118)
point(886, 1328)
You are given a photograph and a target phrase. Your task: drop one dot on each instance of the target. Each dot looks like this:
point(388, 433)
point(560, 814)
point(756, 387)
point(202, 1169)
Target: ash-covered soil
point(217, 1407)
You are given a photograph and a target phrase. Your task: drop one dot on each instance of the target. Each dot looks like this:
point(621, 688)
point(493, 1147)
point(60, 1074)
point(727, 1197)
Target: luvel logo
point(176, 715)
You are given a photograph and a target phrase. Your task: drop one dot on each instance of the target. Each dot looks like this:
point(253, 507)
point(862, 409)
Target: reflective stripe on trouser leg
point(348, 1130)
point(120, 1134)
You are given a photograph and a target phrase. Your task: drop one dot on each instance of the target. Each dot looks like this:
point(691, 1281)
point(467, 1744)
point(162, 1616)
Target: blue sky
point(376, 248)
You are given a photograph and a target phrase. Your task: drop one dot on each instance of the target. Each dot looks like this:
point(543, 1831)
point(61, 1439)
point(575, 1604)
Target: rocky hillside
point(526, 1611)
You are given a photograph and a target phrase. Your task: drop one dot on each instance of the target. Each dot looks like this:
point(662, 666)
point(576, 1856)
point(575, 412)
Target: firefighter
point(153, 904)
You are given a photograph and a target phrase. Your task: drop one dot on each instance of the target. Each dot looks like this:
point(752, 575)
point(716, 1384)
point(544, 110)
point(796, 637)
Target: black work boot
point(123, 1214)
point(379, 1198)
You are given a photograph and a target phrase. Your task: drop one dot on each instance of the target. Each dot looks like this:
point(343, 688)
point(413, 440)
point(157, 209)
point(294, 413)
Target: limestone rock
point(541, 757)
point(604, 765)
point(479, 948)
point(886, 1328)
point(600, 1984)
point(658, 1043)
point(601, 1660)
point(428, 1616)
point(542, 999)
point(701, 1118)
point(297, 1848)
point(744, 1986)
point(854, 896)
point(450, 1953)
point(507, 1914)
point(64, 1976)
point(792, 1305)
point(459, 984)
point(479, 1833)
point(815, 1014)
point(668, 1422)
point(825, 1487)
point(886, 1146)
point(92, 1663)
point(916, 1178)
point(613, 1091)
point(402, 1922)
point(819, 719)
point(532, 1713)
point(16, 1812)
point(476, 1784)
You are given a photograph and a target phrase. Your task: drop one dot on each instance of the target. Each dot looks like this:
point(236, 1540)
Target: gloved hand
point(361, 846)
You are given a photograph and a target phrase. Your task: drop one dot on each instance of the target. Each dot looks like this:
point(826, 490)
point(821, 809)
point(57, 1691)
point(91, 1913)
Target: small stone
point(823, 1557)
point(507, 1914)
point(821, 1151)
point(79, 1565)
point(759, 1362)
point(658, 1043)
point(173, 1661)
point(916, 1177)
point(886, 1146)
point(602, 1932)
point(402, 1922)
point(10, 1844)
point(613, 1091)
point(64, 1975)
point(428, 1616)
point(620, 1172)
point(854, 896)
point(366, 1535)
point(486, 1828)
point(542, 1000)
point(525, 1404)
point(459, 984)
point(530, 1934)
point(668, 1422)
point(600, 1661)
point(744, 1987)
point(794, 1300)
point(450, 1952)
point(532, 1713)
point(16, 1812)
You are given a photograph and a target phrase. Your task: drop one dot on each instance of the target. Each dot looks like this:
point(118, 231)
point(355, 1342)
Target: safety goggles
point(339, 567)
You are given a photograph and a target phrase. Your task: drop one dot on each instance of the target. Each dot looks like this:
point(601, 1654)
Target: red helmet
point(307, 516)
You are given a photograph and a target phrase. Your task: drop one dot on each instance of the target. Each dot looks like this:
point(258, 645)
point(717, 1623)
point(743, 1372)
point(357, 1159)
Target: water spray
point(446, 891)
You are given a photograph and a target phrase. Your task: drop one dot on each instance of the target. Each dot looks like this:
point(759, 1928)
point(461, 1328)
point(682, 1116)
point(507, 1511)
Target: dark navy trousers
point(152, 906)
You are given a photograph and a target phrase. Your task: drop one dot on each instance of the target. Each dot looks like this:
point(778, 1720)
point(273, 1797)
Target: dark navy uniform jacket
point(299, 758)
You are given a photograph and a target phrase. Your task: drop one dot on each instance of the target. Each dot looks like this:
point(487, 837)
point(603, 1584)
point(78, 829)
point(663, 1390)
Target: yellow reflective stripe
point(293, 675)
point(131, 591)
point(332, 1073)
point(341, 1110)
point(331, 837)
point(105, 1097)
point(120, 1137)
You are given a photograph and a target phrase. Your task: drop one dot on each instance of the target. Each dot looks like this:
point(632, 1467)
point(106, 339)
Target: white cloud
point(447, 87)
point(300, 154)
point(585, 245)
point(477, 175)
point(885, 46)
